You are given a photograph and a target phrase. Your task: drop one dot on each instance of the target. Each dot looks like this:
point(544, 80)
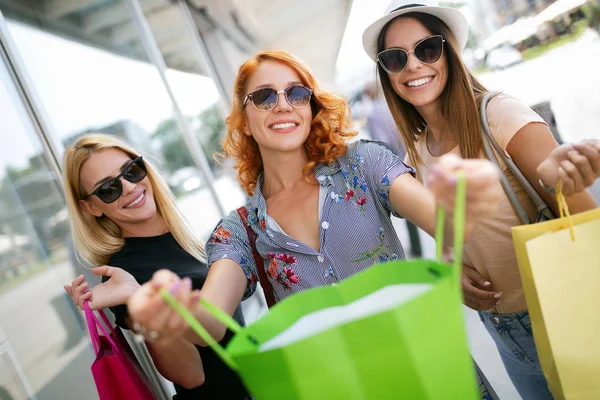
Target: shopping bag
point(559, 262)
point(393, 331)
point(117, 373)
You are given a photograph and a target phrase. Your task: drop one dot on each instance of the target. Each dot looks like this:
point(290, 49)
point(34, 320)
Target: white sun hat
point(452, 17)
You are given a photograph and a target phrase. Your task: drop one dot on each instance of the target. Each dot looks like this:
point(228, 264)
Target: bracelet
point(547, 188)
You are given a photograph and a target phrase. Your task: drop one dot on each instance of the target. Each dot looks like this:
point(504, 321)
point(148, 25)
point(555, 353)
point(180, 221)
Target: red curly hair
point(329, 131)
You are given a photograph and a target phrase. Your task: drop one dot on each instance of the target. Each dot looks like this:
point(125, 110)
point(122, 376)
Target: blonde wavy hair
point(329, 132)
point(98, 238)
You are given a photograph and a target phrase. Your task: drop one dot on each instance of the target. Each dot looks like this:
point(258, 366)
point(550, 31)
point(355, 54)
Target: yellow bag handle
point(563, 209)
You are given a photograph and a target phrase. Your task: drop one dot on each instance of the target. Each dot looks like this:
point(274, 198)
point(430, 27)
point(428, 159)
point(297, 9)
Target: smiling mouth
point(419, 82)
point(283, 126)
point(137, 201)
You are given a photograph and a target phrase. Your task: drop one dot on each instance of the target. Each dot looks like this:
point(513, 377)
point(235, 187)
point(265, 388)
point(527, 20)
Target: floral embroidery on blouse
point(380, 253)
point(329, 273)
point(384, 189)
point(287, 276)
point(220, 235)
point(252, 217)
point(244, 264)
point(354, 184)
point(263, 222)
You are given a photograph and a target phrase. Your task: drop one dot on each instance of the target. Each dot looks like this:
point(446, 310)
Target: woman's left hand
point(483, 190)
point(577, 165)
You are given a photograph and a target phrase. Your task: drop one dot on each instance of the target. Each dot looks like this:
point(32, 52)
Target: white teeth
point(286, 125)
point(419, 82)
point(136, 201)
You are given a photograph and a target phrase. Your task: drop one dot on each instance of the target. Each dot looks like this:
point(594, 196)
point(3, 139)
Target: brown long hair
point(459, 100)
point(329, 131)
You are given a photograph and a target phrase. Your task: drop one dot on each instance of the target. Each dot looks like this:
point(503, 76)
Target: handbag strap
point(258, 260)
point(89, 318)
point(94, 324)
point(488, 141)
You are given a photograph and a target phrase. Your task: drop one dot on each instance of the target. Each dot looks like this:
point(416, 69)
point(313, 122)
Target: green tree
point(211, 128)
point(174, 149)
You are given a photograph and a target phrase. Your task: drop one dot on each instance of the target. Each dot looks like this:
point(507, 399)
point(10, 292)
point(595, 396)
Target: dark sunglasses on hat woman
point(266, 99)
point(428, 51)
point(110, 190)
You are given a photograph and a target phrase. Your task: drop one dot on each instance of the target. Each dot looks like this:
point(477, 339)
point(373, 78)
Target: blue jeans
point(514, 339)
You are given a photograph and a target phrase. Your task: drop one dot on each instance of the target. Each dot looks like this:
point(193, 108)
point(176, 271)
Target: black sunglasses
point(112, 189)
point(266, 99)
point(428, 51)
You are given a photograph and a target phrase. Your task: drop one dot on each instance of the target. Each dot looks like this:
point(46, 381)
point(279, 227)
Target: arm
point(224, 287)
point(533, 144)
point(177, 360)
point(418, 204)
point(230, 278)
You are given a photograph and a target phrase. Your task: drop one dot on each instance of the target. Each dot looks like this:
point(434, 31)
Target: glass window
point(43, 342)
point(92, 74)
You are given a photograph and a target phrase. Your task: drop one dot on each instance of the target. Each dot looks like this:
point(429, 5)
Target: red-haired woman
point(320, 207)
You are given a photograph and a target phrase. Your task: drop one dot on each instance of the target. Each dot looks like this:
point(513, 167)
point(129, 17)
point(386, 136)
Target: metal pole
point(153, 51)
point(202, 51)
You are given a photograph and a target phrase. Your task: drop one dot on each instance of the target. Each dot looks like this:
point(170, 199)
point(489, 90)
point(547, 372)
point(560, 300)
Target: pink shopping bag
point(116, 371)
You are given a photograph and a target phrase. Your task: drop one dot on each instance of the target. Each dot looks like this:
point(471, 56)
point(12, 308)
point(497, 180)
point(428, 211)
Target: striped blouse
point(355, 226)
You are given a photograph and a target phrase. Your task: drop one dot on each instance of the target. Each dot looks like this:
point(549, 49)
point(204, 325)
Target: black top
point(141, 257)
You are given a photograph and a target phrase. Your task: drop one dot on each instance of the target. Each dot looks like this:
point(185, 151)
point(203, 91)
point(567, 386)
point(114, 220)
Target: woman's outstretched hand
point(577, 165)
point(482, 182)
point(115, 291)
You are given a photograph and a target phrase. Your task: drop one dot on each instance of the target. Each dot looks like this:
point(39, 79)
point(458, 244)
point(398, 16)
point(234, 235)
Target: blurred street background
point(159, 74)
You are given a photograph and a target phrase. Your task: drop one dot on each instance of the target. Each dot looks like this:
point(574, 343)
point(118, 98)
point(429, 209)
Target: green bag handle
point(225, 319)
point(217, 313)
point(459, 227)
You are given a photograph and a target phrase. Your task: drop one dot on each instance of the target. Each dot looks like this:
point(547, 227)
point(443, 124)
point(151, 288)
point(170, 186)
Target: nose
point(413, 63)
point(128, 187)
point(282, 103)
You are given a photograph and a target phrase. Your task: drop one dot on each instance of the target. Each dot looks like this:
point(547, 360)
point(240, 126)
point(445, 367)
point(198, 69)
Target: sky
point(353, 66)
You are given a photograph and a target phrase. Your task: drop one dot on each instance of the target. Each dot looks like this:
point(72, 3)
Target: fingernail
point(175, 287)
point(487, 283)
point(156, 285)
point(196, 296)
point(452, 180)
point(187, 283)
point(436, 171)
point(498, 302)
point(498, 295)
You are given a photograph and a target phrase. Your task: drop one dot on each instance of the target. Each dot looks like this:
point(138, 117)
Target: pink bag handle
point(94, 324)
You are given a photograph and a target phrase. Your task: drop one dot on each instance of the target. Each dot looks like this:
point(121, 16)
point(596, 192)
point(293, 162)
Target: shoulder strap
point(544, 211)
point(258, 260)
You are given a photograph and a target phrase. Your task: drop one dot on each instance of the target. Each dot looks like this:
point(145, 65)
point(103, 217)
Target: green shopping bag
point(393, 331)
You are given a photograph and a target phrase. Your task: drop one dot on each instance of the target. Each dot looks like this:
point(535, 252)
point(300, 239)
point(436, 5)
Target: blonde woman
point(124, 220)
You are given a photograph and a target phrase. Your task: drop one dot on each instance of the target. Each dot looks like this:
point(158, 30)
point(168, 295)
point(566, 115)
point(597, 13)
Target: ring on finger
point(139, 338)
point(139, 328)
point(153, 335)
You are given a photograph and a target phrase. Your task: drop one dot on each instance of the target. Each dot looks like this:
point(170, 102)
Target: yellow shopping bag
point(559, 261)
